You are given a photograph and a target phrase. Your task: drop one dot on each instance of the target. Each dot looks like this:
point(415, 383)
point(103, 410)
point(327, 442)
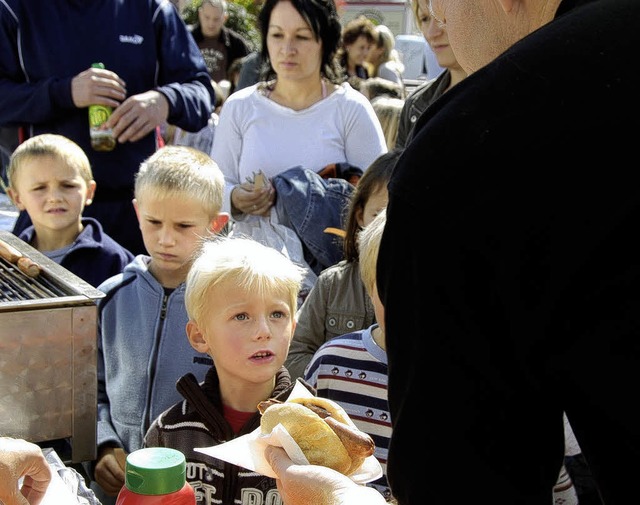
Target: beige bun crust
point(353, 447)
point(318, 442)
point(332, 407)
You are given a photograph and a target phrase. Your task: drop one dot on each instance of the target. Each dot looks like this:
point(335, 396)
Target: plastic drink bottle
point(101, 138)
point(156, 476)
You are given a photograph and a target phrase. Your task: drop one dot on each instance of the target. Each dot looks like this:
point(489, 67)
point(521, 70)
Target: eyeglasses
point(436, 18)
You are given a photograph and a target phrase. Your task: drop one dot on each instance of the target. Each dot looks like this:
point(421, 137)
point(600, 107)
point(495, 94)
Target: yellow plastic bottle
point(101, 138)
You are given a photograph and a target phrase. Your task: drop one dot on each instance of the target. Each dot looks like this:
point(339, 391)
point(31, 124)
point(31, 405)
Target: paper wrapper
point(247, 451)
point(58, 493)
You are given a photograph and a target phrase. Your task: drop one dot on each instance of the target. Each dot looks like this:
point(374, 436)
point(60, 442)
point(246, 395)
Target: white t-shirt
point(390, 71)
point(255, 133)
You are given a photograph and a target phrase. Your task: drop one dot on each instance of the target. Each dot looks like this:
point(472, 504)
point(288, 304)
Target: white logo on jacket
point(132, 39)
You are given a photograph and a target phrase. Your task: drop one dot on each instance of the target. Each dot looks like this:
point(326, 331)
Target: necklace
point(268, 89)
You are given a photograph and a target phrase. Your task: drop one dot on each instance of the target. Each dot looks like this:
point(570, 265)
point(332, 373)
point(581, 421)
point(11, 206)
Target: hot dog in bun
point(322, 429)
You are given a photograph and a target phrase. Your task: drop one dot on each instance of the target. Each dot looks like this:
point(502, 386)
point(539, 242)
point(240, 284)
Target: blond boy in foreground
point(241, 299)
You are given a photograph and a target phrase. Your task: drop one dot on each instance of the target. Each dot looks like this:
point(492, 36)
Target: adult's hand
point(250, 200)
point(305, 484)
point(138, 116)
point(109, 471)
point(97, 86)
point(19, 458)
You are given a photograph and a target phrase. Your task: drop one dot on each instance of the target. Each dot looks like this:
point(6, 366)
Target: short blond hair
point(369, 243)
point(181, 171)
point(415, 8)
point(246, 262)
point(50, 144)
point(388, 111)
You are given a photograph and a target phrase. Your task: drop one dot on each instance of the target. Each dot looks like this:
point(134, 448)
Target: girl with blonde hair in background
point(388, 110)
point(383, 59)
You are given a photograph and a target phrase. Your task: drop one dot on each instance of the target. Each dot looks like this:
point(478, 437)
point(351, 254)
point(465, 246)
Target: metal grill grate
point(16, 286)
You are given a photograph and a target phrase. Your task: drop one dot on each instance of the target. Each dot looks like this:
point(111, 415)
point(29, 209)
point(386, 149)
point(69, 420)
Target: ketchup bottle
point(156, 476)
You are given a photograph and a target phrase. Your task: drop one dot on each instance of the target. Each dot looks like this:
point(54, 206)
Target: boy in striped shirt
point(352, 369)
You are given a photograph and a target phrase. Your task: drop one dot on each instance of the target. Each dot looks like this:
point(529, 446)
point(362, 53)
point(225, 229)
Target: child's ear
point(219, 222)
point(135, 207)
point(196, 338)
point(91, 191)
point(15, 198)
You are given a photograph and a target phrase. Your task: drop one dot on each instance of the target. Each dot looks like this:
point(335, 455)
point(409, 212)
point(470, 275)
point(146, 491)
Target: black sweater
point(521, 298)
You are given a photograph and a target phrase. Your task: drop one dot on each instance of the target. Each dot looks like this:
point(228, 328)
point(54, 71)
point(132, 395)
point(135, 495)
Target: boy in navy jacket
point(51, 179)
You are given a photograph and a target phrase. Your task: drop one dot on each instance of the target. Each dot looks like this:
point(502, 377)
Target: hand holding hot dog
point(305, 484)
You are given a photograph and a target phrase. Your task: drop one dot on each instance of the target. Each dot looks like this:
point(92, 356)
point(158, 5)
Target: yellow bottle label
point(101, 137)
point(98, 114)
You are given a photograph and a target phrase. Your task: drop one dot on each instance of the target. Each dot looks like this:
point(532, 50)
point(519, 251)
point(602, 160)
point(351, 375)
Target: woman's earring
point(89, 201)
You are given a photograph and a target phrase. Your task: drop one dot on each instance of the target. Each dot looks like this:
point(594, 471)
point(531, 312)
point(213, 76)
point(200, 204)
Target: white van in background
point(419, 61)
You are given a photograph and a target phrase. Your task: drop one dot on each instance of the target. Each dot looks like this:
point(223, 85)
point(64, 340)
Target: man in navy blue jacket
point(154, 73)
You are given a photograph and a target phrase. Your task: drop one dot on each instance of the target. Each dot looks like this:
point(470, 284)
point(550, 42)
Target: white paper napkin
point(247, 451)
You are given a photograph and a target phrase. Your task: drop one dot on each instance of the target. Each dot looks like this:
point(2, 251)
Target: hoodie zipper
point(152, 371)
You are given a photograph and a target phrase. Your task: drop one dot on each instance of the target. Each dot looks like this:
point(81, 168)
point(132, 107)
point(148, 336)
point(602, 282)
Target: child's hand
point(109, 472)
